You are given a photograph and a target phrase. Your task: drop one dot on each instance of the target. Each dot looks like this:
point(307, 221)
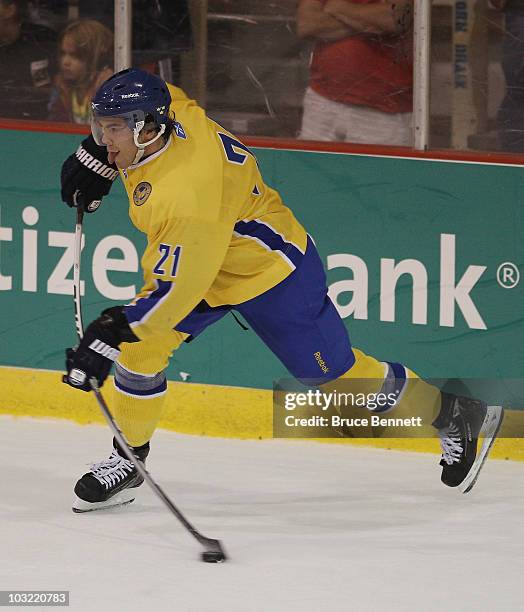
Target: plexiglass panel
point(314, 69)
point(477, 80)
point(335, 70)
point(53, 56)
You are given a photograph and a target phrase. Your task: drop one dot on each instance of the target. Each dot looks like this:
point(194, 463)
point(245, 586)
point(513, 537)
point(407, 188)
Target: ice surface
point(307, 527)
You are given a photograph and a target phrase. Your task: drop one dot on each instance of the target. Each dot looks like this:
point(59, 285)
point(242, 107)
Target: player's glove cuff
point(87, 176)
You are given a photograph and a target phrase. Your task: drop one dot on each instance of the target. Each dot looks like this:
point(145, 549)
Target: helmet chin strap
point(141, 146)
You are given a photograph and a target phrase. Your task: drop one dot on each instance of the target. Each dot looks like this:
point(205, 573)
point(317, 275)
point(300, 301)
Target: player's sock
point(460, 423)
point(137, 403)
point(109, 482)
point(415, 397)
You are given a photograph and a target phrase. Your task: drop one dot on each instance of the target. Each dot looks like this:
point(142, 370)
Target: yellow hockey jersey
point(215, 231)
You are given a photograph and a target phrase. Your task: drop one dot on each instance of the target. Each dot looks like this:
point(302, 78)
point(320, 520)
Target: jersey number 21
point(168, 252)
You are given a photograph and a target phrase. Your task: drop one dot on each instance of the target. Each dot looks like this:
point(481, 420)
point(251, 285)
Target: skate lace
point(111, 471)
point(450, 442)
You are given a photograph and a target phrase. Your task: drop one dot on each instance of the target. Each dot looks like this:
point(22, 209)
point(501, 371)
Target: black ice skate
point(461, 422)
point(110, 483)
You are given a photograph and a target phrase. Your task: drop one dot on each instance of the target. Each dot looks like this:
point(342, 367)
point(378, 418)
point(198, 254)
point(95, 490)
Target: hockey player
point(218, 239)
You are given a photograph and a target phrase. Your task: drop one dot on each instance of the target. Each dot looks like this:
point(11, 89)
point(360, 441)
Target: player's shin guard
point(416, 398)
point(137, 403)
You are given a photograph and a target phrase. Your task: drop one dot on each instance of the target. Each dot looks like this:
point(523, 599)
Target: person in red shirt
point(361, 79)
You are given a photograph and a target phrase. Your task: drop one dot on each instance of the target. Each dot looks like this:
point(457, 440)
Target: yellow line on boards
point(197, 409)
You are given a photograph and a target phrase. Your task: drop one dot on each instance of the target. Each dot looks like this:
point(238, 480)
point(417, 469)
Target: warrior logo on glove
point(98, 349)
point(87, 176)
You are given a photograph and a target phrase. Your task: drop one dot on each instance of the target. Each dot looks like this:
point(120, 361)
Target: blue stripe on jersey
point(162, 388)
point(270, 238)
point(134, 380)
point(394, 383)
point(137, 311)
point(399, 371)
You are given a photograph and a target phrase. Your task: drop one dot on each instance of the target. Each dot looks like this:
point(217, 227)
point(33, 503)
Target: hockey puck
point(213, 556)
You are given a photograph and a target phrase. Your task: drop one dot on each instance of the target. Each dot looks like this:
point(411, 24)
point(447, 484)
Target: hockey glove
point(94, 356)
point(86, 176)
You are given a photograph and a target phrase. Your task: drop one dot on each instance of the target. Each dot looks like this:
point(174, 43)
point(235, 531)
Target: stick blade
point(214, 552)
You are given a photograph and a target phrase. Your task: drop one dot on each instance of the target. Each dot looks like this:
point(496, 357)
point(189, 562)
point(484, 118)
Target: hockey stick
point(213, 553)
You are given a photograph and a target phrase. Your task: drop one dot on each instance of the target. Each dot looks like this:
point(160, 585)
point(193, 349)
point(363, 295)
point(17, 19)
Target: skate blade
point(489, 430)
point(120, 499)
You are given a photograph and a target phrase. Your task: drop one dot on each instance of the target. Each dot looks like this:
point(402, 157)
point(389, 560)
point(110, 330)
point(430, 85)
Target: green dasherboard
point(415, 251)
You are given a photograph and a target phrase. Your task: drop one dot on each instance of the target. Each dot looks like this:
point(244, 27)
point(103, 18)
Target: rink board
point(442, 230)
point(449, 234)
point(209, 410)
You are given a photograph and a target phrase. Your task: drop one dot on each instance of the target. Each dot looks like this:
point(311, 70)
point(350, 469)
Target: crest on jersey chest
point(141, 193)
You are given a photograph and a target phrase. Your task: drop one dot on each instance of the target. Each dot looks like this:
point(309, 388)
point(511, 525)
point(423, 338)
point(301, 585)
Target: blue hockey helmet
point(138, 97)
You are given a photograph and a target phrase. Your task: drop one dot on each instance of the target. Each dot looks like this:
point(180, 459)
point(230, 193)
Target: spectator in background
point(361, 79)
point(27, 63)
point(161, 28)
point(85, 60)
point(510, 117)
